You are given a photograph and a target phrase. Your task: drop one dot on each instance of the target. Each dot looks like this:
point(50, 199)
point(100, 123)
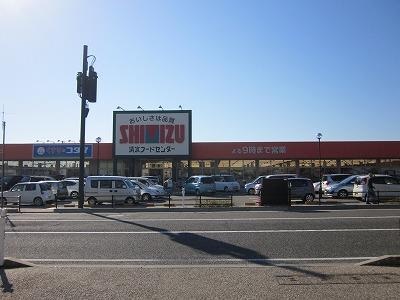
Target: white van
point(385, 186)
point(226, 183)
point(100, 189)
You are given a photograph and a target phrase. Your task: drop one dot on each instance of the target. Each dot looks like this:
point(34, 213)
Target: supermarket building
point(160, 143)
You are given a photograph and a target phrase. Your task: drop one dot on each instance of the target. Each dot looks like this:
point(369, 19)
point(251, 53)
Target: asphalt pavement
point(252, 282)
point(22, 280)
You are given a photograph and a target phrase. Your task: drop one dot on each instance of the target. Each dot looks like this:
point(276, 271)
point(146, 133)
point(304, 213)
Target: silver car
point(147, 193)
point(342, 189)
point(36, 193)
point(250, 187)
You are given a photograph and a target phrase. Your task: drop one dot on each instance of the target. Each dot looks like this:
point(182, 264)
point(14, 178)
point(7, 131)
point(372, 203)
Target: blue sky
point(248, 70)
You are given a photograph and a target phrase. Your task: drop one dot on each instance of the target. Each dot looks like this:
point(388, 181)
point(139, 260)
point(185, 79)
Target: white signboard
point(152, 133)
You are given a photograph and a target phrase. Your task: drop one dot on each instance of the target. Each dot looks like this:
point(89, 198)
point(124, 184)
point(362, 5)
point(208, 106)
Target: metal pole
point(98, 158)
point(320, 172)
point(2, 160)
point(82, 139)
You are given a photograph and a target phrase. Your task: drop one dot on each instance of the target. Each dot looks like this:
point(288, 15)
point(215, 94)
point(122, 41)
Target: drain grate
point(338, 279)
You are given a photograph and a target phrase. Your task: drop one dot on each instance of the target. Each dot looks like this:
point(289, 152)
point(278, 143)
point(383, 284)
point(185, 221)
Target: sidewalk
point(201, 282)
point(240, 203)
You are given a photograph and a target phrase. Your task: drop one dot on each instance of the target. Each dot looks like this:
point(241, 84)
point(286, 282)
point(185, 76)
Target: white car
point(72, 187)
point(148, 193)
point(329, 179)
point(385, 186)
point(342, 189)
point(36, 193)
point(226, 183)
point(250, 187)
point(149, 183)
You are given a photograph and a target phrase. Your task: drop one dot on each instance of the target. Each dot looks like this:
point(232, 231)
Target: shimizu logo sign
point(152, 133)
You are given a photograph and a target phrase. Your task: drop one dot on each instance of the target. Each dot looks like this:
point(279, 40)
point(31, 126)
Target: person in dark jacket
point(371, 192)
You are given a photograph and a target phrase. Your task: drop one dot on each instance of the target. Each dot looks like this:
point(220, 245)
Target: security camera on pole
point(87, 91)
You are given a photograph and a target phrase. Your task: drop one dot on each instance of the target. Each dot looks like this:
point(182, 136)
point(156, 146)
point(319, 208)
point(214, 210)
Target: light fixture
point(160, 107)
point(180, 106)
point(139, 107)
point(121, 108)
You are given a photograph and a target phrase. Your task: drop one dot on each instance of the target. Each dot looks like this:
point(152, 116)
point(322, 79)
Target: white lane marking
point(205, 231)
point(204, 219)
point(198, 259)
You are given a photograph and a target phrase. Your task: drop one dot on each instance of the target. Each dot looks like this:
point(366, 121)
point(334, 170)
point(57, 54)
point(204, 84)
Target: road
point(260, 238)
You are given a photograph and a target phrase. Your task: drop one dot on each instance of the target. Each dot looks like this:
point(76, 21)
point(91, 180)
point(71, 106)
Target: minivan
point(100, 189)
point(385, 186)
point(258, 186)
point(226, 183)
point(200, 185)
point(36, 193)
point(301, 188)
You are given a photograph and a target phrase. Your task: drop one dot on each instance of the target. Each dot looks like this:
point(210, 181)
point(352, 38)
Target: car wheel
point(226, 189)
point(251, 191)
point(74, 195)
point(308, 198)
point(38, 201)
point(342, 194)
point(92, 202)
point(146, 197)
point(130, 201)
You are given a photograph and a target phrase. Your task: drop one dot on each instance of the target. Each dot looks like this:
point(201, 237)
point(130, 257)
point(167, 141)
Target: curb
point(253, 207)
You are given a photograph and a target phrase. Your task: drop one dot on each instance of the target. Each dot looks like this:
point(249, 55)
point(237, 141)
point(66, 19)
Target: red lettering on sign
point(179, 133)
point(162, 134)
point(169, 132)
point(123, 129)
point(142, 134)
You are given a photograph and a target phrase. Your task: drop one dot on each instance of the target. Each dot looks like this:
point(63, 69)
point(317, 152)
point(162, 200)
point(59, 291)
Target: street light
point(98, 140)
point(121, 108)
point(139, 107)
point(180, 106)
point(319, 136)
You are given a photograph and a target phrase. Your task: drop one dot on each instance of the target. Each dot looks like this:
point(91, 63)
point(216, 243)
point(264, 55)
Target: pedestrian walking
point(370, 197)
point(169, 185)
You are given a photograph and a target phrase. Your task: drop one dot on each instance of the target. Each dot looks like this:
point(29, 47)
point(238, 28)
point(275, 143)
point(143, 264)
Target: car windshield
point(45, 186)
point(129, 183)
point(348, 179)
point(141, 185)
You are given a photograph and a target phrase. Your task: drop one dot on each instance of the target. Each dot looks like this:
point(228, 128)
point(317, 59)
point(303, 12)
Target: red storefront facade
point(243, 159)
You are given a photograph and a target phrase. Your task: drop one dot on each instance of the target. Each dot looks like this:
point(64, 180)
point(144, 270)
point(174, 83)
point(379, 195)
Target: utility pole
point(2, 160)
point(87, 89)
point(82, 136)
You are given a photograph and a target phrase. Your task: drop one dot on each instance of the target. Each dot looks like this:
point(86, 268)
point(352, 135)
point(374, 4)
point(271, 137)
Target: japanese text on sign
point(259, 150)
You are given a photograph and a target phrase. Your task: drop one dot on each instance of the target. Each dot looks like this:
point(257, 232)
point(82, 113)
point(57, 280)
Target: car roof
point(334, 174)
